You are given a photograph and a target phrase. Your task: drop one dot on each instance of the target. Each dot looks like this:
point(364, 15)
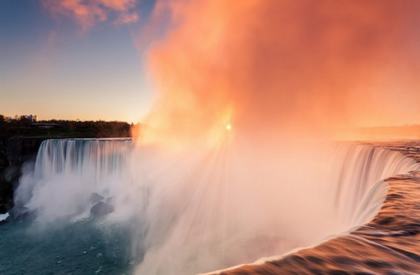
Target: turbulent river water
point(90, 207)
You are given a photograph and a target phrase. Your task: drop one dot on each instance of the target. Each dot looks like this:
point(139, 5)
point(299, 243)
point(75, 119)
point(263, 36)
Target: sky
point(286, 68)
point(186, 65)
point(55, 65)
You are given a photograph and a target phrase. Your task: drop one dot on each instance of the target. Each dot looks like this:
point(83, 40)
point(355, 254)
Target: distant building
point(31, 118)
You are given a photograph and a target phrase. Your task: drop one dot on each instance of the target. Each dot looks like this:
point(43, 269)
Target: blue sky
point(52, 67)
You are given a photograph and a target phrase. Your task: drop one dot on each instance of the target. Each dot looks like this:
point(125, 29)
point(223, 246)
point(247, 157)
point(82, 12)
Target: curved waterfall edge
point(385, 236)
point(260, 263)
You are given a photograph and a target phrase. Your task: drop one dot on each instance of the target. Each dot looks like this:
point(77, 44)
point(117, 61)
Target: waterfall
point(95, 157)
point(229, 206)
point(361, 170)
point(72, 175)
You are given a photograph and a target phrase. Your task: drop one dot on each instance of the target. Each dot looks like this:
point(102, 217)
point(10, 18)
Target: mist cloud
point(285, 66)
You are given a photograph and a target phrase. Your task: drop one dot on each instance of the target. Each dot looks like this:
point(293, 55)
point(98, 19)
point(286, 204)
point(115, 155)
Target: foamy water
point(202, 210)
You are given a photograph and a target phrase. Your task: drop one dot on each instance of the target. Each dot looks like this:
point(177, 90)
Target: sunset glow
point(180, 137)
point(351, 77)
point(361, 69)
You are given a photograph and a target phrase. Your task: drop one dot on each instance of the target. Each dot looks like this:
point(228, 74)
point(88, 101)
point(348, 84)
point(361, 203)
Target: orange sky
point(287, 65)
point(278, 64)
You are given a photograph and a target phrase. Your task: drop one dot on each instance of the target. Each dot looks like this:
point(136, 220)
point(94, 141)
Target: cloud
point(127, 18)
point(287, 66)
point(87, 13)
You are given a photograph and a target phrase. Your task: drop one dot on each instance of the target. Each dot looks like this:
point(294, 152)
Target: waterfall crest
point(360, 189)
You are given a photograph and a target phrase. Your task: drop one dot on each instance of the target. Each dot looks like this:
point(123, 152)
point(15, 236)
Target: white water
point(205, 209)
point(69, 176)
point(361, 169)
point(4, 216)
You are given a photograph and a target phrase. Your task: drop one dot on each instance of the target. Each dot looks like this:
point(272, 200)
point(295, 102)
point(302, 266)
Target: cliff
point(13, 153)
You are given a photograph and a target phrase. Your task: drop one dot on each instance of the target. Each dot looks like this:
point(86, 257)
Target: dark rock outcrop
point(101, 209)
point(13, 153)
point(101, 206)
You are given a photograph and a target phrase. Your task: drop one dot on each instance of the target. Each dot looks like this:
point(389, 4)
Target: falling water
point(360, 188)
point(81, 156)
point(71, 175)
point(207, 211)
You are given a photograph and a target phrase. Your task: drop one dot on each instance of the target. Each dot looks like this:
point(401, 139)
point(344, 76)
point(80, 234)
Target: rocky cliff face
point(13, 153)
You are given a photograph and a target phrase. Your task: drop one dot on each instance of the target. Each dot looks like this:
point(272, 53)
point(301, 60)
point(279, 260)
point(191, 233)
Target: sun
point(228, 127)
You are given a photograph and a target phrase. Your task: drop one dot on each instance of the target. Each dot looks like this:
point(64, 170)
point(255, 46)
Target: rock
point(14, 152)
point(101, 209)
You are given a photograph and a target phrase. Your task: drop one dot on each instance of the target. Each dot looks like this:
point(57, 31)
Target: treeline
point(27, 126)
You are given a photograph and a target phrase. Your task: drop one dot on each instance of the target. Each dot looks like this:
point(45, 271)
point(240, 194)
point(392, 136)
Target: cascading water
point(361, 171)
point(69, 176)
point(102, 157)
point(209, 210)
